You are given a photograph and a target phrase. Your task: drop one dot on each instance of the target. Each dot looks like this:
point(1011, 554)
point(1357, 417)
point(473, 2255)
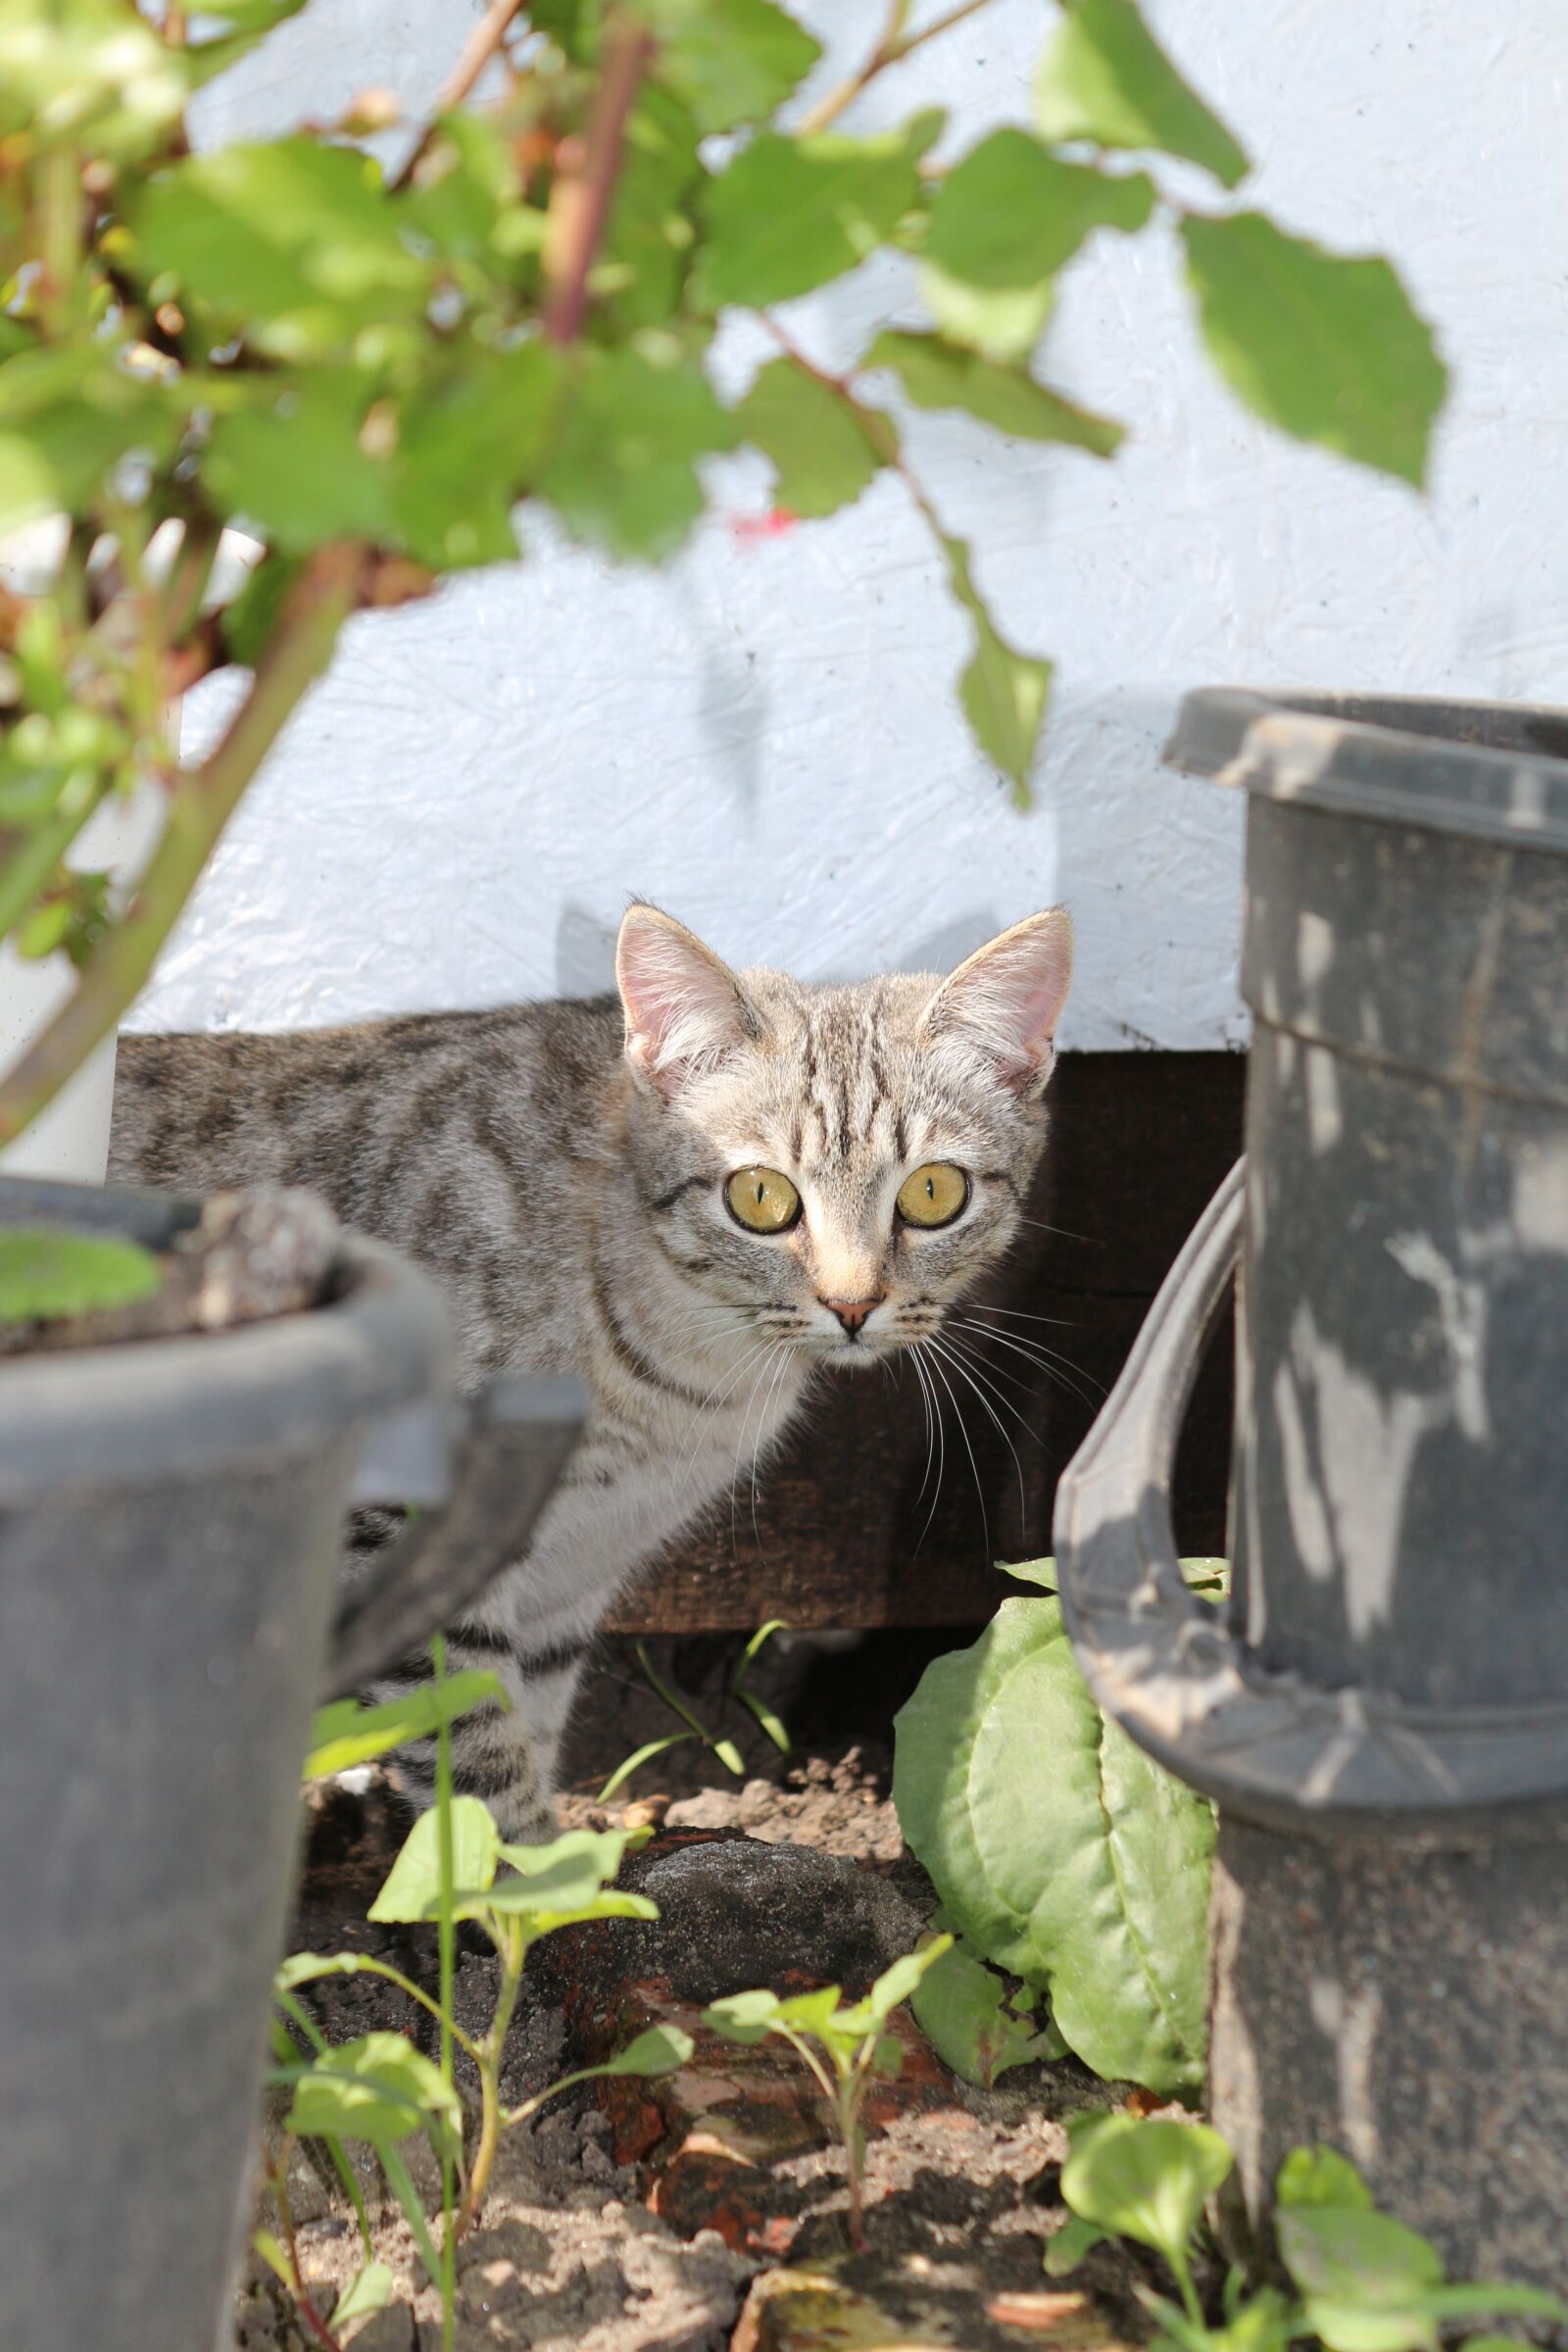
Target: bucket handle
point(1169, 1669)
point(480, 1474)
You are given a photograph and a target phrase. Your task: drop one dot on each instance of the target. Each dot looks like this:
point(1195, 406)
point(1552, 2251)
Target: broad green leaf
point(621, 473)
point(1067, 1856)
point(1146, 2181)
point(465, 177)
point(648, 242)
point(297, 469)
point(1009, 215)
point(1320, 2176)
point(961, 2009)
point(347, 1732)
point(87, 73)
point(815, 2012)
point(293, 243)
point(579, 1860)
point(731, 60)
point(790, 214)
point(1067, 2248)
point(47, 1274)
point(470, 444)
point(514, 1899)
point(369, 2289)
point(380, 2089)
point(821, 455)
point(1370, 2285)
point(1004, 323)
point(1105, 77)
point(937, 375)
point(1004, 692)
point(1324, 345)
point(413, 1883)
point(68, 419)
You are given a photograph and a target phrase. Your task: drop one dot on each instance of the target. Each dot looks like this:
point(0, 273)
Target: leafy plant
point(1365, 2283)
point(1057, 1847)
point(974, 2024)
point(47, 1275)
point(852, 2046)
point(378, 2090)
point(370, 372)
point(728, 1754)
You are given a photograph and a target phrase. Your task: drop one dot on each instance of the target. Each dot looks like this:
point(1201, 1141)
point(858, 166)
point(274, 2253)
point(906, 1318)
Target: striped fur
point(561, 1169)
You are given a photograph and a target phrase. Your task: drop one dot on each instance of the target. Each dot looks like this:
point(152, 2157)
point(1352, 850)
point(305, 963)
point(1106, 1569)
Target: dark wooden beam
point(850, 1530)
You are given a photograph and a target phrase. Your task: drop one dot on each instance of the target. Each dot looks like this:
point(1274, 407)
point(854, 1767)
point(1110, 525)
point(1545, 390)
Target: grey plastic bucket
point(1393, 1677)
point(170, 1515)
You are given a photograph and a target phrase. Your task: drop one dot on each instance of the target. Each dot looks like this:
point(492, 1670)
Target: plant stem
point(513, 1952)
point(60, 179)
point(445, 1933)
point(201, 805)
point(894, 45)
point(579, 202)
point(478, 49)
point(277, 2182)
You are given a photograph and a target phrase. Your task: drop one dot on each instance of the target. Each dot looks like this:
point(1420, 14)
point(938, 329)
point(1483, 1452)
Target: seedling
point(379, 2090)
point(728, 1754)
point(1365, 2283)
point(851, 2040)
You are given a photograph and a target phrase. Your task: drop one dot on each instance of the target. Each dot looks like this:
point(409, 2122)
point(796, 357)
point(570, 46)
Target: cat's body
point(567, 1172)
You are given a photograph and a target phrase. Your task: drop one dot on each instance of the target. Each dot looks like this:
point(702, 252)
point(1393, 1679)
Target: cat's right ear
point(685, 1009)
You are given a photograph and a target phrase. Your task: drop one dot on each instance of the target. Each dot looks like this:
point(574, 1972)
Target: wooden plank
point(850, 1530)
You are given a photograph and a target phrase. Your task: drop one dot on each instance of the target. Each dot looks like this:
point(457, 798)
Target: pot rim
point(138, 1413)
point(1490, 771)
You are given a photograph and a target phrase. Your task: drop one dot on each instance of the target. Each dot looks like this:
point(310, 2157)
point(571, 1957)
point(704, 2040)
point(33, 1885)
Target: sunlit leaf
point(790, 214)
point(1326, 346)
point(961, 2008)
point(939, 375)
point(414, 1883)
point(1146, 2179)
point(348, 1732)
point(731, 60)
point(368, 2291)
point(622, 471)
point(1009, 215)
point(822, 457)
point(47, 1273)
point(1004, 692)
point(1105, 77)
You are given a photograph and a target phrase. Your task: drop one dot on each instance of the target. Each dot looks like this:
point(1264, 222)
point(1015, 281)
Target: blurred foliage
point(372, 370)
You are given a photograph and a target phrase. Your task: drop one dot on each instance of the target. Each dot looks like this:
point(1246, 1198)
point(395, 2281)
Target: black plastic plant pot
point(1382, 1714)
point(170, 1515)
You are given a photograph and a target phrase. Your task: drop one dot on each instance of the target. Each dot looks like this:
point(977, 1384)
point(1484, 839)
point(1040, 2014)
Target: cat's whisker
point(945, 1350)
point(1047, 1360)
point(713, 1401)
point(983, 1306)
point(990, 1374)
point(767, 1368)
point(936, 1367)
point(761, 1439)
point(933, 1425)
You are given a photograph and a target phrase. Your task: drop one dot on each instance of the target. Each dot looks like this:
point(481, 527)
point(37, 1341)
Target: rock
point(735, 1913)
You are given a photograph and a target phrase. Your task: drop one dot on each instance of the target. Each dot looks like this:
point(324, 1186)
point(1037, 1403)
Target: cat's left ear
point(1006, 1000)
point(685, 1009)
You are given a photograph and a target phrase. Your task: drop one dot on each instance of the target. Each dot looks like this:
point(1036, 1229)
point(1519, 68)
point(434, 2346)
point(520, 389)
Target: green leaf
point(264, 2244)
point(414, 1883)
point(368, 2291)
point(514, 1898)
point(87, 73)
point(729, 1755)
point(821, 455)
point(378, 2090)
point(730, 60)
point(1370, 2285)
point(656, 2050)
point(1105, 77)
point(1065, 2250)
point(767, 1720)
point(249, 621)
point(1004, 692)
point(347, 1732)
point(1146, 2181)
point(1010, 214)
point(622, 473)
point(297, 469)
point(1005, 324)
point(790, 214)
point(237, 26)
point(1324, 345)
point(1320, 2176)
point(292, 243)
point(47, 1274)
point(895, 1985)
point(470, 444)
point(1069, 1858)
point(747, 2016)
point(638, 1757)
point(937, 375)
point(961, 2009)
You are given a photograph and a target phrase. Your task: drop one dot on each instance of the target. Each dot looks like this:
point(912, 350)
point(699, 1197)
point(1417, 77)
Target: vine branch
point(482, 44)
point(896, 44)
point(579, 201)
point(203, 800)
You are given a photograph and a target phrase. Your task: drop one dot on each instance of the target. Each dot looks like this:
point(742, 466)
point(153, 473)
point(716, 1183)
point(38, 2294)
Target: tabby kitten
point(693, 1197)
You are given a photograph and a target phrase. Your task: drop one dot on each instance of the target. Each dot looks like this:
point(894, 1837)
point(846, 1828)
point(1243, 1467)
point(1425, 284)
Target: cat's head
point(836, 1166)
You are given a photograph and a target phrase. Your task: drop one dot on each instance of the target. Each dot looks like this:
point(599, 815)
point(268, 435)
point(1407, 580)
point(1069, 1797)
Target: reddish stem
point(579, 202)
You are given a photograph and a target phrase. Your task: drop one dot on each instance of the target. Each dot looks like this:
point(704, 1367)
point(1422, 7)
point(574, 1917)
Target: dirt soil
point(709, 2211)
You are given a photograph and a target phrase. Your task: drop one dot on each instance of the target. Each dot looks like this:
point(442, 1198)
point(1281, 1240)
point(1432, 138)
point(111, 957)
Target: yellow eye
point(762, 1201)
point(933, 1195)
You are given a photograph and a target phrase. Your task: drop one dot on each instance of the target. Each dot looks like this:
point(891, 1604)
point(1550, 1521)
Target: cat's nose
point(850, 1312)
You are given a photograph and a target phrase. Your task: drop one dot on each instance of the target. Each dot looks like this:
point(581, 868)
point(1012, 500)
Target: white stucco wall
point(765, 736)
